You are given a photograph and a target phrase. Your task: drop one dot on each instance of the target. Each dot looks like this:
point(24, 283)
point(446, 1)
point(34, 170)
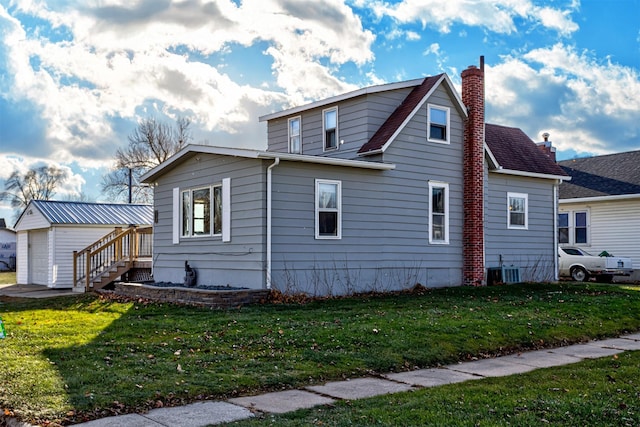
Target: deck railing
point(120, 248)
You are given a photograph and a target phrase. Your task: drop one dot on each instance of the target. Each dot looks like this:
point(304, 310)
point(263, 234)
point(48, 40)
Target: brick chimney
point(547, 147)
point(473, 176)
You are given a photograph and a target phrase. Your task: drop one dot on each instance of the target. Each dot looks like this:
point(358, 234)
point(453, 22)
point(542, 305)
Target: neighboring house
point(49, 231)
point(373, 190)
point(7, 247)
point(600, 206)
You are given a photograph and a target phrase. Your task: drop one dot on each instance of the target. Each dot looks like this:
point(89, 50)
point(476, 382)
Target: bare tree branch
point(36, 184)
point(150, 144)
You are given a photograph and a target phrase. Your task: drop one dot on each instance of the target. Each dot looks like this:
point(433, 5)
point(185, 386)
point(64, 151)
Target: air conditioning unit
point(503, 275)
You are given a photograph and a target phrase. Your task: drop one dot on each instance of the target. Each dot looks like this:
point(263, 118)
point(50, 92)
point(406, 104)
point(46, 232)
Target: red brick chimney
point(473, 176)
point(547, 147)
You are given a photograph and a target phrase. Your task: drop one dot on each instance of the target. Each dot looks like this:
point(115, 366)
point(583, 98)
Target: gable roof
point(514, 152)
point(608, 175)
point(405, 111)
point(57, 212)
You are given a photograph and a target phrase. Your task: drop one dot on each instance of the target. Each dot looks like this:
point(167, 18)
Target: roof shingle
point(608, 175)
point(514, 150)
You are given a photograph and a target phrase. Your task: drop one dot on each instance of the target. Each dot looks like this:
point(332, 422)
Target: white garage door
point(38, 257)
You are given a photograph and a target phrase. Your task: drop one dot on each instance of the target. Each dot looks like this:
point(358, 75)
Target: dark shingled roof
point(514, 150)
point(609, 175)
point(395, 120)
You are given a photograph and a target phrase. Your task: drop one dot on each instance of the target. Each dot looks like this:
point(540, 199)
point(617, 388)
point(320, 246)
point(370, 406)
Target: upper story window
point(328, 209)
point(295, 135)
point(439, 212)
point(202, 211)
point(518, 210)
point(438, 124)
point(330, 126)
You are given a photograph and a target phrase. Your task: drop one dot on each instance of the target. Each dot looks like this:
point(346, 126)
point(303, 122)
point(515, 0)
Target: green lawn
point(7, 277)
point(72, 358)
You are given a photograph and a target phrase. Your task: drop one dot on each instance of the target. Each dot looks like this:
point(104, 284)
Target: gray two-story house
point(377, 189)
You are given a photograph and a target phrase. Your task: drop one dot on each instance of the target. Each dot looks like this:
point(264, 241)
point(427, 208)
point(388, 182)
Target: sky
point(76, 76)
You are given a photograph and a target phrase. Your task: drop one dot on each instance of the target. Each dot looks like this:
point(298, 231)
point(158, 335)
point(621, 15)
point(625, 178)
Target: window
point(580, 229)
point(199, 213)
point(295, 138)
point(438, 124)
point(517, 210)
point(330, 126)
point(563, 228)
point(573, 227)
point(439, 213)
point(328, 209)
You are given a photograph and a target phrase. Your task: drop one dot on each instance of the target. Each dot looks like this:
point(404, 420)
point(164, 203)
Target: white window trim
point(524, 196)
point(432, 185)
point(324, 133)
point(338, 209)
point(299, 118)
point(226, 207)
point(447, 110)
point(572, 226)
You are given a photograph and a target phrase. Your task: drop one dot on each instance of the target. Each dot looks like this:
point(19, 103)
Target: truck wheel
point(579, 274)
point(605, 278)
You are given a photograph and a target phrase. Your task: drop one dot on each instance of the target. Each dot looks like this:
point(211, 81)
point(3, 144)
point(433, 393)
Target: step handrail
point(117, 247)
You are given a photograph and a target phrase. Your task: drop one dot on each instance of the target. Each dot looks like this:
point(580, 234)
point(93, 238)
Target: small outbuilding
point(48, 232)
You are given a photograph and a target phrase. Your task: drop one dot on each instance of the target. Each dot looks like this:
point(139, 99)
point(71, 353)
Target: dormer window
point(295, 138)
point(438, 124)
point(330, 126)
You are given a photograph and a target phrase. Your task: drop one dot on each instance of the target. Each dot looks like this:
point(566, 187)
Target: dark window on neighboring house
point(563, 228)
point(581, 227)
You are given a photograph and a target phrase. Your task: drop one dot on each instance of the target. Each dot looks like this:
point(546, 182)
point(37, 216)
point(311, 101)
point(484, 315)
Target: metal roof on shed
point(93, 213)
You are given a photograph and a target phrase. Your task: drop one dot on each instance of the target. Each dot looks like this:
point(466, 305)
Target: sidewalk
point(33, 291)
point(205, 413)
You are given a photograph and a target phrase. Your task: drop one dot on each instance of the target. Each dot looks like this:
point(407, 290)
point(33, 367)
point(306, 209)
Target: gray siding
point(532, 249)
point(239, 262)
point(358, 120)
point(385, 242)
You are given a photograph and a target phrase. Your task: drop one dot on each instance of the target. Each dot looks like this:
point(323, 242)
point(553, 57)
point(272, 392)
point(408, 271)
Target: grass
point(7, 277)
point(602, 392)
point(69, 359)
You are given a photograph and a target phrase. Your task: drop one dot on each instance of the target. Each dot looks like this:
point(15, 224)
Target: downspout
point(269, 181)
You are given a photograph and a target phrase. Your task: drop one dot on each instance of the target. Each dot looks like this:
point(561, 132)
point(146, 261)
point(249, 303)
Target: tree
point(36, 184)
point(150, 144)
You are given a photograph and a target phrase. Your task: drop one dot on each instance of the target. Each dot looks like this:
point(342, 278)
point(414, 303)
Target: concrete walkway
point(205, 413)
point(33, 291)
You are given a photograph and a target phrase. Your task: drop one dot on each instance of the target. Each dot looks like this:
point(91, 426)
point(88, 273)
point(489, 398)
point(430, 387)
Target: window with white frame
point(573, 227)
point(295, 135)
point(563, 227)
point(328, 209)
point(438, 124)
point(518, 210)
point(202, 211)
point(330, 126)
point(438, 212)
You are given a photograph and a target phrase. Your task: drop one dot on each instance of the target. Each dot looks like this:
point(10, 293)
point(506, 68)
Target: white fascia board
point(194, 149)
point(601, 198)
point(531, 174)
point(493, 159)
point(340, 98)
point(334, 161)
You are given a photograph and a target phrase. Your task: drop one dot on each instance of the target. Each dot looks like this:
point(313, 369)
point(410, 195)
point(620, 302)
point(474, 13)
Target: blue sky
point(77, 75)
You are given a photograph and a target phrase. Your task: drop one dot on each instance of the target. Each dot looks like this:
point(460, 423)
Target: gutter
point(275, 163)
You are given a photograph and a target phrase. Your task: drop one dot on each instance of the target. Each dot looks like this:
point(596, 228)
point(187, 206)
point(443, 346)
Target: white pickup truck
point(580, 265)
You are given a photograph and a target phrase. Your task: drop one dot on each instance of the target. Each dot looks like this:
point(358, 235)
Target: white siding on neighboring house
point(613, 226)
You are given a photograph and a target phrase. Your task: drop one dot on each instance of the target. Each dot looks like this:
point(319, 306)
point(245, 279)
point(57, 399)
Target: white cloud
point(588, 106)
point(496, 15)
